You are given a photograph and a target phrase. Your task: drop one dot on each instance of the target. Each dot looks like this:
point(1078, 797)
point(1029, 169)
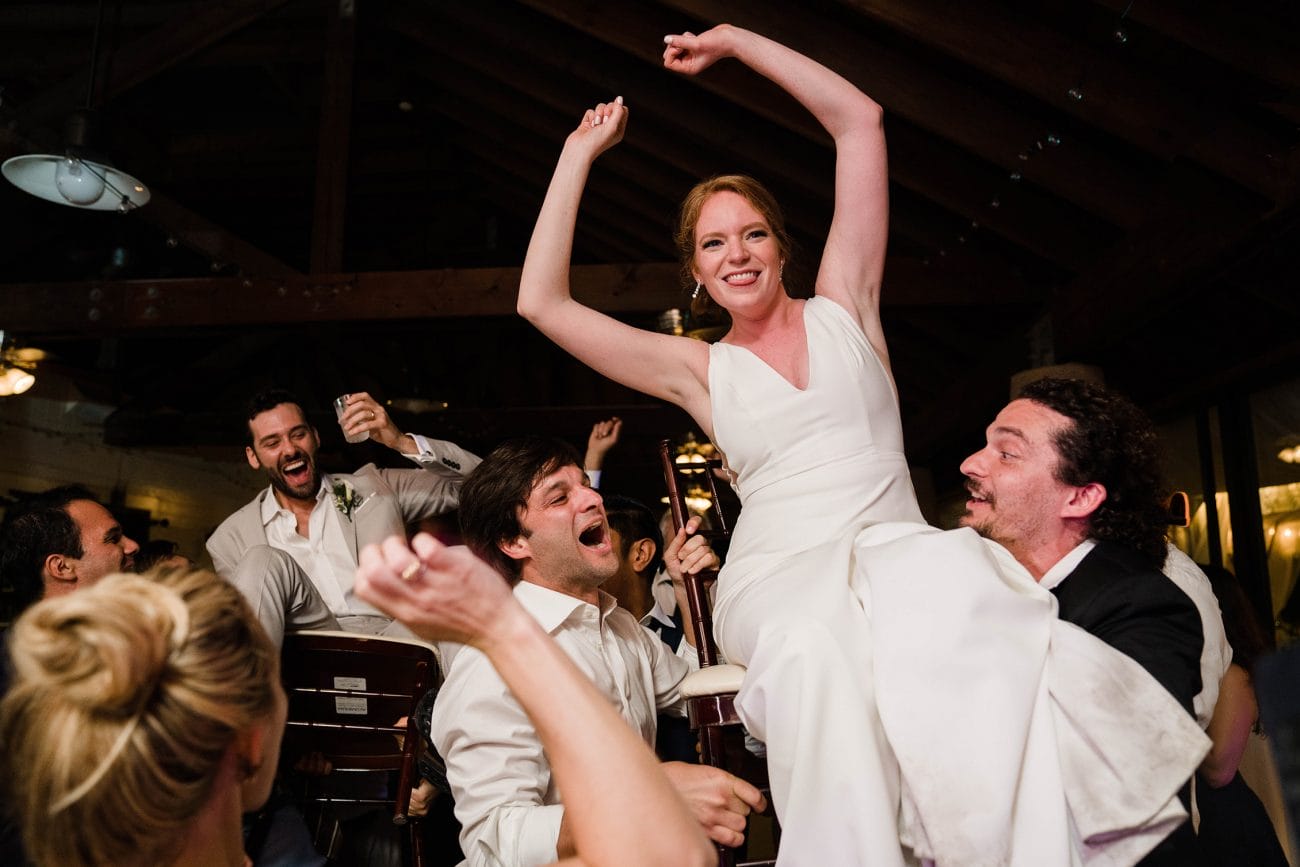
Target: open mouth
point(595, 536)
point(296, 472)
point(741, 277)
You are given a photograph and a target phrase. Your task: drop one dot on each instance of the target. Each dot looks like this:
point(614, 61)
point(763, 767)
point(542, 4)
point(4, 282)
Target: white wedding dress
point(912, 684)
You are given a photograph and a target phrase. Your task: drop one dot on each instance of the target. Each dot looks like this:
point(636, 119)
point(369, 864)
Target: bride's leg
point(809, 695)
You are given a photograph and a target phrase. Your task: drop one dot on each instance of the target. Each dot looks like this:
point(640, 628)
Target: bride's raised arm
point(854, 258)
point(672, 368)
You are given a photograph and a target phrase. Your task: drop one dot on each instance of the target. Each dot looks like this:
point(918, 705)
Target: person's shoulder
point(1117, 571)
point(468, 678)
point(232, 521)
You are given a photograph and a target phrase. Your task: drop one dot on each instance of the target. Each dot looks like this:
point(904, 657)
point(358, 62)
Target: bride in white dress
point(900, 725)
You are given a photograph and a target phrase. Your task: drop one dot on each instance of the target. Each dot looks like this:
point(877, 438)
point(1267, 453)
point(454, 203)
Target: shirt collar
point(1066, 565)
point(551, 608)
point(271, 506)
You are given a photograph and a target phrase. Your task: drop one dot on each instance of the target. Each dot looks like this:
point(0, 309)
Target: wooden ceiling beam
point(939, 172)
point(110, 307)
point(481, 69)
point(955, 110)
point(1159, 117)
point(185, 34)
point(1199, 220)
point(624, 204)
point(595, 230)
point(139, 305)
point(1248, 39)
point(329, 212)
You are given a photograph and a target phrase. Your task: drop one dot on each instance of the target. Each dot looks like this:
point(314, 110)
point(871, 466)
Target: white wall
point(50, 437)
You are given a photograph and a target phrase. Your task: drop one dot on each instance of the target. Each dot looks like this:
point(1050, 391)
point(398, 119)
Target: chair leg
point(416, 830)
point(712, 751)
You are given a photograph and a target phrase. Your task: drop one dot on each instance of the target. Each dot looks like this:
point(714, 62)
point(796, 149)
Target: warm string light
point(1049, 140)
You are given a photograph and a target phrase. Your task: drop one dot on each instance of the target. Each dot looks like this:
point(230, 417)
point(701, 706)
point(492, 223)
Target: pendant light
point(79, 178)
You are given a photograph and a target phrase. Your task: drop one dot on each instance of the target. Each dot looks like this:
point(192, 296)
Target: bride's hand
point(601, 127)
point(690, 54)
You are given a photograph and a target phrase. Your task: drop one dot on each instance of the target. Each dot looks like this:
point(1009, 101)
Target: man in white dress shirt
point(530, 512)
point(292, 551)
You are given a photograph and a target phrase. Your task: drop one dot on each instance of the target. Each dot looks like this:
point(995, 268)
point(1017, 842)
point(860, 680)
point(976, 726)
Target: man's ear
point(60, 568)
point(252, 458)
point(641, 552)
point(1084, 500)
point(517, 548)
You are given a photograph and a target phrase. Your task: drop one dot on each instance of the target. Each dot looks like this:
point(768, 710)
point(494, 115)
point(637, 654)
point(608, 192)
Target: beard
point(983, 525)
point(303, 491)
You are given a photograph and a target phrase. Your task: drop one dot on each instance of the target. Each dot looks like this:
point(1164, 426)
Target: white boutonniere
point(346, 498)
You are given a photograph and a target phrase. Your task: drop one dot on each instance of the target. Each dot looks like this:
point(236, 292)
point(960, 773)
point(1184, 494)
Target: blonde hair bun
point(125, 700)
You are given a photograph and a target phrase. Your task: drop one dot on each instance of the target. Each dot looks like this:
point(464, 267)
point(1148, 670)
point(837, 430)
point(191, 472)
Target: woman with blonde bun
point(143, 718)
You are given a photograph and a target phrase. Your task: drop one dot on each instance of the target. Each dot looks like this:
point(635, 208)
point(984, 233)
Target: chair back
point(347, 692)
point(679, 478)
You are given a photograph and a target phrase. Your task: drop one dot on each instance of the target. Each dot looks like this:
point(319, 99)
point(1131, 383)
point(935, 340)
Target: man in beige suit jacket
point(292, 551)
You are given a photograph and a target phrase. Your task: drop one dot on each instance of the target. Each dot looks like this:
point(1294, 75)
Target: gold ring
point(412, 570)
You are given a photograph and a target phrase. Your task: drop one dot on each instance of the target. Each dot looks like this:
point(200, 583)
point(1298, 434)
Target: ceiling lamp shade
point(79, 183)
point(80, 178)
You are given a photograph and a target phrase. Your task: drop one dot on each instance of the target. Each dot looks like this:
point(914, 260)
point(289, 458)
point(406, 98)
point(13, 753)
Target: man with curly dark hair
point(1069, 482)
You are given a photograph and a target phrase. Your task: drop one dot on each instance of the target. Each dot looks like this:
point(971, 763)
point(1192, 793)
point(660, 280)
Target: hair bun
point(107, 659)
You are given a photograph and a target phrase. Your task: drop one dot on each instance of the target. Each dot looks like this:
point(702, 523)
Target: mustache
point(975, 490)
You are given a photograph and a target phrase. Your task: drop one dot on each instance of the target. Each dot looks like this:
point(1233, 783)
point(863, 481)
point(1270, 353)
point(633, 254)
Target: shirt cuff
point(593, 476)
point(422, 448)
point(691, 656)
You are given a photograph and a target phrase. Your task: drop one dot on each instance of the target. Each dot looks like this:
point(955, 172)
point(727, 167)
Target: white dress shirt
point(507, 803)
point(324, 555)
point(1217, 654)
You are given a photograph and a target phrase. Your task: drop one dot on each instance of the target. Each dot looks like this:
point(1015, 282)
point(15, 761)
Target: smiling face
point(284, 445)
point(565, 544)
point(1015, 497)
point(736, 256)
point(105, 548)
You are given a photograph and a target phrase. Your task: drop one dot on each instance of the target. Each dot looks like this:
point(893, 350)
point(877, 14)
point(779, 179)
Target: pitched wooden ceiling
point(343, 189)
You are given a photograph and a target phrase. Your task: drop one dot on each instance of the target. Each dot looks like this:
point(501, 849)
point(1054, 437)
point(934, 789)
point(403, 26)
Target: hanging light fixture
point(79, 177)
point(699, 499)
point(692, 451)
point(1288, 449)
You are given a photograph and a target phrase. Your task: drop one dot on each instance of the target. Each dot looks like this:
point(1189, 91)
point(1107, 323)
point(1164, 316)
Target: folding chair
point(710, 692)
point(347, 693)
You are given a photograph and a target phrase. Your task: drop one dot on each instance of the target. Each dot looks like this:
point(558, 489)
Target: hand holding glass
point(340, 406)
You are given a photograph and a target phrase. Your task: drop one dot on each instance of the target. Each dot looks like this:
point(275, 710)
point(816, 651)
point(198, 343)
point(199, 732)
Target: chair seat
point(714, 680)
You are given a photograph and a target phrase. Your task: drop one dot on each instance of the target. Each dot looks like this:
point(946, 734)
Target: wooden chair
point(347, 692)
point(710, 692)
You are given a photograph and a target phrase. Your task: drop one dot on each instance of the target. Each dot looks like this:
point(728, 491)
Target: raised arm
point(619, 806)
point(854, 258)
point(671, 368)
